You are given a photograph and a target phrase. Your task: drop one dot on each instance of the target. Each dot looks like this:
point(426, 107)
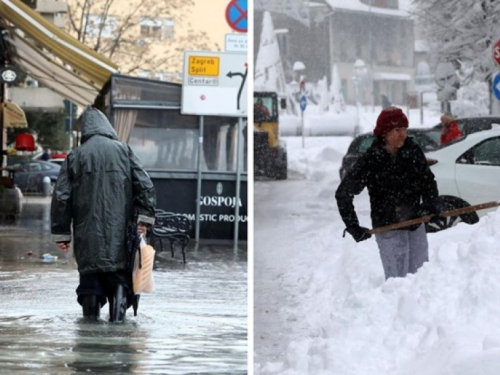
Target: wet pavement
point(194, 323)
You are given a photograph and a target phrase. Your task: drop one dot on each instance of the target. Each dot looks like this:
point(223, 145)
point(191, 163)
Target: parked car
point(423, 137)
point(58, 161)
point(467, 173)
point(469, 125)
point(29, 174)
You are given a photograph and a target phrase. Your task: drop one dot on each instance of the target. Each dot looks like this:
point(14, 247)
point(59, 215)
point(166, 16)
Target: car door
point(478, 172)
point(35, 177)
point(20, 175)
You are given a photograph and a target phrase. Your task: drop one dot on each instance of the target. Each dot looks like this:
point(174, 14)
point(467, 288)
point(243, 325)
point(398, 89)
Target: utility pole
point(370, 51)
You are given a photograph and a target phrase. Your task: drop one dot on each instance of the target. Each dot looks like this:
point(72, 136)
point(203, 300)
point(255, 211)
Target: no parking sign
point(236, 15)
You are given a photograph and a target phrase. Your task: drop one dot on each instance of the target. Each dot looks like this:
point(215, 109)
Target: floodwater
point(194, 323)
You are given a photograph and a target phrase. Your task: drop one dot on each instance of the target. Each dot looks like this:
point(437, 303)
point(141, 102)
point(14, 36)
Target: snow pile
point(444, 320)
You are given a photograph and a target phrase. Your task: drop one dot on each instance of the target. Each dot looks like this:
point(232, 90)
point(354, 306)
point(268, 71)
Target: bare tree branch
point(125, 25)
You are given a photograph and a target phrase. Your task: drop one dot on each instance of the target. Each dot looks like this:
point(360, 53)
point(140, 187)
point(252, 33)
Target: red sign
point(236, 15)
point(496, 52)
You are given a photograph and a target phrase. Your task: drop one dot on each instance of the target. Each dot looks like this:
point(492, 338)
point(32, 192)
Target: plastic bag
point(143, 269)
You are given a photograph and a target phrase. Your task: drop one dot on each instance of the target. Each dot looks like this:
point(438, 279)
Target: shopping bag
point(142, 274)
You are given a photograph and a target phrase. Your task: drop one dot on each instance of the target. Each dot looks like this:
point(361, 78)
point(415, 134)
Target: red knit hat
point(390, 118)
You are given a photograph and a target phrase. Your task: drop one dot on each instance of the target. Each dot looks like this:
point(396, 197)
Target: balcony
point(47, 6)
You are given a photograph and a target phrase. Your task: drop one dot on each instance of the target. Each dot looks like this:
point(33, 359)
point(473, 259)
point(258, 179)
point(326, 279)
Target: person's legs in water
point(90, 295)
point(91, 306)
point(117, 286)
point(118, 305)
point(419, 248)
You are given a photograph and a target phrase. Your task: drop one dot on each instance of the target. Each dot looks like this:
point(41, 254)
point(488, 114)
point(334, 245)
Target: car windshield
point(423, 139)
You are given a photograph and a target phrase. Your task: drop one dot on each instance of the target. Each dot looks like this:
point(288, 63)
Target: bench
point(172, 227)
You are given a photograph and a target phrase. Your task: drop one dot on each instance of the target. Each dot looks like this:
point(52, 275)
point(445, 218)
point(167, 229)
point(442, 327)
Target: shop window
point(166, 140)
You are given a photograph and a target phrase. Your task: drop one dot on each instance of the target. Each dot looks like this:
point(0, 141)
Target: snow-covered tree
point(269, 71)
point(323, 95)
point(462, 32)
point(337, 96)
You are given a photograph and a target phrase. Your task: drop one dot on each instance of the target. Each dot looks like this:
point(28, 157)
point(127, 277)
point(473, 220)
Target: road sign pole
point(302, 119)
point(198, 187)
point(303, 105)
point(239, 148)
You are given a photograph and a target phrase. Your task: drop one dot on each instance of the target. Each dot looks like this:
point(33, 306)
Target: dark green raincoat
point(101, 187)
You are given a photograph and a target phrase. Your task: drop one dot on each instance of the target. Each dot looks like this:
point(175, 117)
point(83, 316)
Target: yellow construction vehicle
point(270, 157)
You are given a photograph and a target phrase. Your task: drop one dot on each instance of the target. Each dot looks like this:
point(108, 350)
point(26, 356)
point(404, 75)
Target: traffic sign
point(496, 86)
point(496, 52)
point(303, 103)
point(214, 84)
point(236, 15)
point(236, 43)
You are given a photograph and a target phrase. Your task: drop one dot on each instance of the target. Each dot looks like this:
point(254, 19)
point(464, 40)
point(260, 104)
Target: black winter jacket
point(100, 189)
point(396, 184)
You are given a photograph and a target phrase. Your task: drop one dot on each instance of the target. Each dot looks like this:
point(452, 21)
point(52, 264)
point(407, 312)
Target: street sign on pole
point(496, 52)
point(496, 86)
point(303, 103)
point(236, 43)
point(214, 84)
point(236, 15)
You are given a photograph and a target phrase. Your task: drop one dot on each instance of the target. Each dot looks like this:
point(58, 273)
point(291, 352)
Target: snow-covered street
point(322, 305)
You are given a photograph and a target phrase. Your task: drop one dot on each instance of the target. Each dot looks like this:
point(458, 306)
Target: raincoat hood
point(95, 122)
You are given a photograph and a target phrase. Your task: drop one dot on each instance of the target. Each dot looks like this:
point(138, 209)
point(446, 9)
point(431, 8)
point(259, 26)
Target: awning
point(84, 61)
point(51, 74)
point(13, 116)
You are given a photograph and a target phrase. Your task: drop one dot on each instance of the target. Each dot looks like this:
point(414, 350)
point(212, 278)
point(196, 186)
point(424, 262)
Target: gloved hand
point(358, 233)
point(431, 207)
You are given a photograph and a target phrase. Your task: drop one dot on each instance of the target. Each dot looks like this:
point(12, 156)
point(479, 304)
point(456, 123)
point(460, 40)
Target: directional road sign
point(303, 103)
point(236, 15)
point(214, 84)
point(496, 86)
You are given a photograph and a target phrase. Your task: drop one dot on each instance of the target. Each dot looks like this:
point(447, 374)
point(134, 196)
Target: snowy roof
point(358, 6)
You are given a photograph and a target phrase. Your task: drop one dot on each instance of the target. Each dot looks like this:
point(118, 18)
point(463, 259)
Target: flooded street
point(194, 323)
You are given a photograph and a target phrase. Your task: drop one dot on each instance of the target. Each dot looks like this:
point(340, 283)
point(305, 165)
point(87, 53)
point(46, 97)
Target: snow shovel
point(425, 219)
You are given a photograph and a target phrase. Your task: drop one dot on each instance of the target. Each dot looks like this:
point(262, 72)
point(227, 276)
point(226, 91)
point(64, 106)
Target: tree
point(48, 128)
point(461, 32)
point(137, 34)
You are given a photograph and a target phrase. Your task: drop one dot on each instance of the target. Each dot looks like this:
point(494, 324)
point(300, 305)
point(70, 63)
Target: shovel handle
point(425, 219)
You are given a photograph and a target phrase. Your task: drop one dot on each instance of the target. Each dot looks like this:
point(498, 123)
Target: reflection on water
point(194, 323)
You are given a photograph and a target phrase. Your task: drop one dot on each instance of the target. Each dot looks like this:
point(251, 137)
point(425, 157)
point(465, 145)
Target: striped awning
point(42, 67)
point(86, 63)
point(13, 116)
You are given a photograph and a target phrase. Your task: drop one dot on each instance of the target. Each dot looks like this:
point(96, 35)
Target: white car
point(467, 172)
point(58, 161)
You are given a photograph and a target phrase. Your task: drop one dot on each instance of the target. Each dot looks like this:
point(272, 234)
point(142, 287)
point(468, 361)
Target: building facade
point(147, 38)
point(370, 42)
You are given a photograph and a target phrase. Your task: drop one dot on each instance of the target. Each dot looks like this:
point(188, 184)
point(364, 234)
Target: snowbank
point(444, 320)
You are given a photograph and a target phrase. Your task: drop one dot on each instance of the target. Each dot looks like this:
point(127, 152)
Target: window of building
point(282, 38)
point(391, 4)
point(103, 27)
point(144, 74)
point(167, 140)
point(159, 28)
point(164, 76)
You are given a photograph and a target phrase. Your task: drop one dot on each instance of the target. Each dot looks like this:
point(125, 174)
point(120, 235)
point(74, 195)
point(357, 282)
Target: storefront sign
point(217, 202)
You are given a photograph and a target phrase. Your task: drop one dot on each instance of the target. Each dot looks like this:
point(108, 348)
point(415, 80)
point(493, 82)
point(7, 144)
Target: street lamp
point(359, 72)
